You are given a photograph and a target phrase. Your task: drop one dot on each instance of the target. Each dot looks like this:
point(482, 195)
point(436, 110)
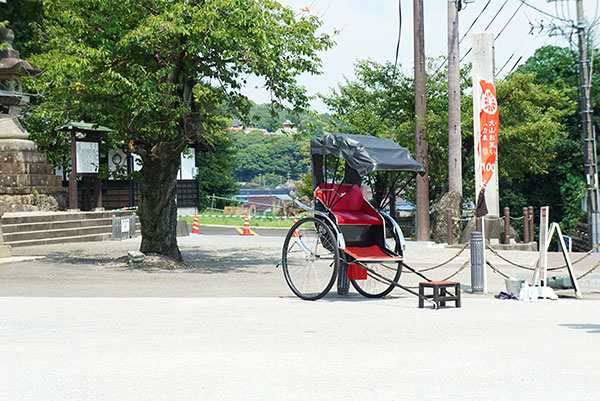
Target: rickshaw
point(345, 236)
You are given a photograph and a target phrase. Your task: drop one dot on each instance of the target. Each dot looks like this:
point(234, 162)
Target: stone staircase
point(41, 228)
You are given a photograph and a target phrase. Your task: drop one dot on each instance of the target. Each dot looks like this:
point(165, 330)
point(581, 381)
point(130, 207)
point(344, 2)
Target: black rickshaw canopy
point(365, 153)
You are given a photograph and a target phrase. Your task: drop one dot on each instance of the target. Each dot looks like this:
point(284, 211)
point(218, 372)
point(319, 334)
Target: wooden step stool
point(440, 295)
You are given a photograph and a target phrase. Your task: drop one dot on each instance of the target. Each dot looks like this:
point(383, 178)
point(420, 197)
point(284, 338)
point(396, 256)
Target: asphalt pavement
point(82, 324)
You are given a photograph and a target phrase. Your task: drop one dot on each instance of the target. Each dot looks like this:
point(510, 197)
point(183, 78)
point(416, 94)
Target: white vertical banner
point(486, 133)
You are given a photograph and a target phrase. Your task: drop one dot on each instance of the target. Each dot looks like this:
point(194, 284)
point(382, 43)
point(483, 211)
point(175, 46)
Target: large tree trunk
point(158, 209)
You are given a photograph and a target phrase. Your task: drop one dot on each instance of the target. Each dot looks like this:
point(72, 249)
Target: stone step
point(54, 225)
point(38, 217)
point(39, 228)
point(9, 238)
point(62, 240)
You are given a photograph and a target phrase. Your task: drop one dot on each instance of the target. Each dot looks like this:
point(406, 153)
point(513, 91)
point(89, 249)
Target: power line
point(510, 19)
point(544, 12)
point(474, 21)
point(464, 36)
point(488, 25)
point(501, 7)
point(399, 34)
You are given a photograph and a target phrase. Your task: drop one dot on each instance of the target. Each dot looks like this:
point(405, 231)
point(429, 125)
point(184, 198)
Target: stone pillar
point(26, 179)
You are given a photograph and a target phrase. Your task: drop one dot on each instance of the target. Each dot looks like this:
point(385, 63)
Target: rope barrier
point(496, 270)
point(461, 268)
point(443, 263)
point(238, 216)
point(458, 271)
point(508, 261)
point(589, 271)
point(464, 219)
point(505, 276)
point(589, 253)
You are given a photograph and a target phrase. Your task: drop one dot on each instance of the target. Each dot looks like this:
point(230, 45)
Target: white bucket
point(514, 285)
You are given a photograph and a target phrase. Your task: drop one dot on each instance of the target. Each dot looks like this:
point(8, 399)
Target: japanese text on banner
point(488, 143)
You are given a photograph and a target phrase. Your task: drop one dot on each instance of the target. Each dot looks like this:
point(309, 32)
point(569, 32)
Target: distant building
point(287, 129)
point(238, 126)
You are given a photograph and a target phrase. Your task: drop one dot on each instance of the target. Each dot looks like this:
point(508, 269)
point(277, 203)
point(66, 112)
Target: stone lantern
point(12, 68)
point(27, 181)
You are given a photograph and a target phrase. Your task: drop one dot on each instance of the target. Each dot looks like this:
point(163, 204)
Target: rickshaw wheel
point(374, 287)
point(310, 258)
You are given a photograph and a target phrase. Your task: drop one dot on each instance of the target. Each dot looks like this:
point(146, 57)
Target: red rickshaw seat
point(351, 208)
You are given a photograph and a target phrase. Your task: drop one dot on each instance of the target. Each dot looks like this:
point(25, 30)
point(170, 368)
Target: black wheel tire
point(310, 258)
point(373, 287)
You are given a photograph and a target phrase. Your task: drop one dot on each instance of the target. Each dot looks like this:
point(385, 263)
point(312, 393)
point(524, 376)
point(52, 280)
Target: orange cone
point(195, 228)
point(246, 227)
point(296, 231)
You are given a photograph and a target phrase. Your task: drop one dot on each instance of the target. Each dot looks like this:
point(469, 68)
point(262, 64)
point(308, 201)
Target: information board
point(88, 157)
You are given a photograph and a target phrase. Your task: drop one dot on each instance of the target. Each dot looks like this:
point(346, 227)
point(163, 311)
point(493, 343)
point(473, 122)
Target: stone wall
point(34, 203)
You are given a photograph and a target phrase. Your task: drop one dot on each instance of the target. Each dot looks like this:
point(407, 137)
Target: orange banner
point(488, 132)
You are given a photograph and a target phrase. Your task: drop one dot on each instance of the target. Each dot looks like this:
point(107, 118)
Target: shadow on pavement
point(588, 327)
point(250, 260)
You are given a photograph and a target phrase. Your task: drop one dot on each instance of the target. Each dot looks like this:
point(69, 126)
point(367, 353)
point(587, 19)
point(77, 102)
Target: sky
point(369, 30)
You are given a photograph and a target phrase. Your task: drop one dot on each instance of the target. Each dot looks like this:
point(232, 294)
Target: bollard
point(525, 225)
point(507, 225)
point(449, 224)
point(531, 224)
point(477, 262)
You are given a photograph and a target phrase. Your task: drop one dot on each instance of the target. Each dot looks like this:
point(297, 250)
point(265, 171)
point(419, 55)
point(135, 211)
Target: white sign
point(125, 225)
point(88, 157)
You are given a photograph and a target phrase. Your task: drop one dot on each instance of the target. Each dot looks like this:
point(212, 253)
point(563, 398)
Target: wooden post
point(454, 135)
point(531, 224)
point(73, 175)
point(507, 225)
point(422, 182)
point(97, 203)
point(525, 225)
point(478, 226)
point(449, 224)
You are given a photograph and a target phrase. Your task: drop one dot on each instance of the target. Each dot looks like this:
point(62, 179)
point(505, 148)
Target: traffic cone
point(195, 228)
point(296, 231)
point(246, 227)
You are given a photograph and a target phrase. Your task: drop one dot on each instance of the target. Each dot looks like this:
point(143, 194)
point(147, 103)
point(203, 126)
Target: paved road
point(80, 324)
point(230, 266)
point(285, 349)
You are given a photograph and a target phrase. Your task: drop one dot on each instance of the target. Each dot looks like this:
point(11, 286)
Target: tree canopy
point(533, 116)
point(161, 74)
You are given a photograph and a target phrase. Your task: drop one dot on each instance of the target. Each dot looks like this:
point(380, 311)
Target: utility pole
point(454, 133)
point(589, 135)
point(421, 123)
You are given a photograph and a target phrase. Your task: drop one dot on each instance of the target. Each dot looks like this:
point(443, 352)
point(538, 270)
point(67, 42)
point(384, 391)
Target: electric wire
point(510, 19)
point(486, 28)
point(474, 21)
point(464, 36)
point(399, 35)
point(543, 12)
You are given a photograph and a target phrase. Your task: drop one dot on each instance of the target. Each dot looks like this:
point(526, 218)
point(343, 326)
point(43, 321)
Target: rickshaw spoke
point(308, 265)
